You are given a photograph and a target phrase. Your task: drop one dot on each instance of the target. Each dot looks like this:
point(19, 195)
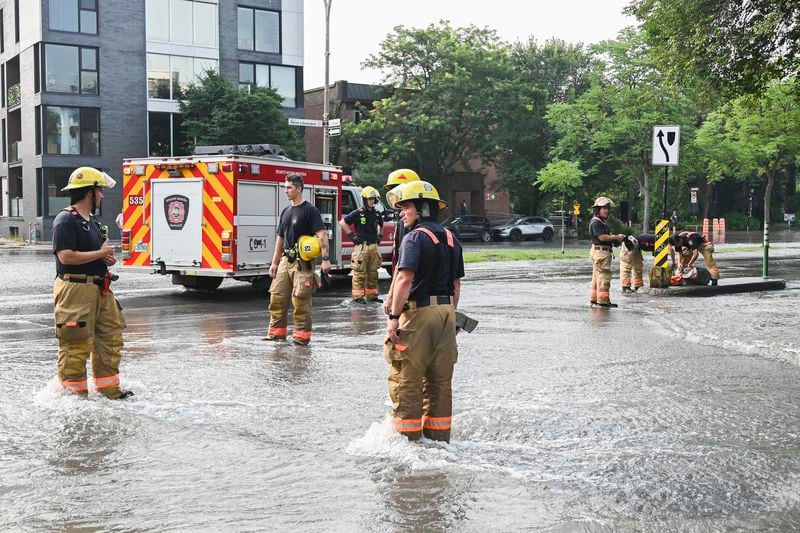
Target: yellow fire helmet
point(603, 201)
point(391, 196)
point(308, 248)
point(89, 177)
point(416, 190)
point(400, 176)
point(370, 192)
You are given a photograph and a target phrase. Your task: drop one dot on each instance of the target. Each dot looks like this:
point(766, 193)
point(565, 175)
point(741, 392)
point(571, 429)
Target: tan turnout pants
point(88, 323)
point(365, 262)
point(294, 283)
point(707, 251)
point(601, 275)
point(631, 268)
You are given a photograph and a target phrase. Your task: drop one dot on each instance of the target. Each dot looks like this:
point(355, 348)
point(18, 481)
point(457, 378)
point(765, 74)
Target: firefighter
point(690, 245)
point(366, 259)
point(420, 343)
point(600, 253)
point(292, 268)
point(631, 261)
point(396, 178)
point(88, 317)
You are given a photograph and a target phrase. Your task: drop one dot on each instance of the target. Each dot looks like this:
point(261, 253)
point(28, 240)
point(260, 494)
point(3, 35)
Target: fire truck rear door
point(256, 221)
point(177, 233)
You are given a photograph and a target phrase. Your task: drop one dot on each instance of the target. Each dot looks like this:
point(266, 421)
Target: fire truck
point(214, 214)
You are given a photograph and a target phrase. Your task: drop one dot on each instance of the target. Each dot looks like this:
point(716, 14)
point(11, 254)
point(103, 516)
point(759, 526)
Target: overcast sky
point(359, 26)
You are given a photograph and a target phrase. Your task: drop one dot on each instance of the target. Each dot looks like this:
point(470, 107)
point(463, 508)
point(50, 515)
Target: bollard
point(714, 229)
point(722, 231)
point(705, 227)
point(661, 272)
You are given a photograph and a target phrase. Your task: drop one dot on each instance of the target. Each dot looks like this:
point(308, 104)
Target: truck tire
point(261, 283)
point(198, 283)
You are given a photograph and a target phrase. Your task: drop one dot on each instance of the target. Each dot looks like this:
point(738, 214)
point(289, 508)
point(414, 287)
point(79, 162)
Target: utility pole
point(325, 111)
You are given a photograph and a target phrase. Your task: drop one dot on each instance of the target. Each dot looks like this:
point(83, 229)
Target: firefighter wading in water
point(88, 317)
point(421, 330)
point(600, 253)
point(301, 238)
point(366, 259)
point(395, 179)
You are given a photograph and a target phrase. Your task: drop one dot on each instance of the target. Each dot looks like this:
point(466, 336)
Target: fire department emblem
point(176, 208)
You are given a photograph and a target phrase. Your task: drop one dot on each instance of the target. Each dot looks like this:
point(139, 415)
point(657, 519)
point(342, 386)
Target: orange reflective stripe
point(277, 331)
point(449, 237)
point(110, 381)
point(371, 292)
point(430, 234)
point(75, 385)
point(302, 335)
point(358, 292)
point(71, 324)
point(401, 347)
point(441, 422)
point(407, 425)
point(601, 294)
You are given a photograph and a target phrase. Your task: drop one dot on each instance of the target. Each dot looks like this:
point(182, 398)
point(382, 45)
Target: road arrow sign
point(333, 132)
point(666, 145)
point(308, 122)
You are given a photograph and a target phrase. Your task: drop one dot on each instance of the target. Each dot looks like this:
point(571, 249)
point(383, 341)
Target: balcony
point(14, 96)
point(14, 155)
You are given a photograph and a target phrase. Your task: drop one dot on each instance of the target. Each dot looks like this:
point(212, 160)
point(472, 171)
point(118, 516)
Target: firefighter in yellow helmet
point(600, 253)
point(88, 317)
point(396, 178)
point(366, 259)
point(420, 341)
point(292, 268)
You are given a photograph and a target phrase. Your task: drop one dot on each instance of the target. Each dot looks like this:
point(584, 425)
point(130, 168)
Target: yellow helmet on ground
point(400, 176)
point(88, 177)
point(416, 190)
point(370, 192)
point(308, 248)
point(603, 201)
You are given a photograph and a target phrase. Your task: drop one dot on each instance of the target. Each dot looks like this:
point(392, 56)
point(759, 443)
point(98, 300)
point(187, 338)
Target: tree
point(733, 45)
point(562, 177)
point(215, 112)
point(452, 86)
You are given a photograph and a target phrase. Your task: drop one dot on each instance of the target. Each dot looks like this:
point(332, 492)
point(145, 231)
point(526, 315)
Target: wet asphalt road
point(664, 414)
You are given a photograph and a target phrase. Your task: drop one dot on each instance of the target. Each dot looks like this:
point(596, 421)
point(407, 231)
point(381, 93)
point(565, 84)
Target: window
point(259, 30)
point(2, 33)
point(183, 21)
point(70, 69)
point(169, 76)
point(72, 130)
point(73, 15)
point(280, 78)
point(165, 135)
point(53, 180)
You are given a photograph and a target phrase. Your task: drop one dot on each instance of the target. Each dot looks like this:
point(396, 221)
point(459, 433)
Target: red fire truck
point(213, 215)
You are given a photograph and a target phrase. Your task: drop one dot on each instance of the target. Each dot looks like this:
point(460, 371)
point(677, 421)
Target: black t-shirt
point(647, 242)
point(297, 221)
point(399, 232)
point(693, 241)
point(73, 232)
point(435, 266)
point(597, 227)
point(366, 222)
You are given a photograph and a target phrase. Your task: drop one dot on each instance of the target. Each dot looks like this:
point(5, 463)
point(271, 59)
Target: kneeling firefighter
point(366, 259)
point(420, 341)
point(88, 317)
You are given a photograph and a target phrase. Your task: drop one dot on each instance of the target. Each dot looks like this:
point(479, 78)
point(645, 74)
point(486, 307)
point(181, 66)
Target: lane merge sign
point(666, 145)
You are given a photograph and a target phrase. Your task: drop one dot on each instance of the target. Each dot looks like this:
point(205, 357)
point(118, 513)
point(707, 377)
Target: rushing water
point(667, 413)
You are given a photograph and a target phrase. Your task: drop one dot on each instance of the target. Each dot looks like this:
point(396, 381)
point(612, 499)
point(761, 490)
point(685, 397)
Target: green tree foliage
point(555, 72)
point(733, 45)
point(452, 86)
point(215, 112)
point(753, 135)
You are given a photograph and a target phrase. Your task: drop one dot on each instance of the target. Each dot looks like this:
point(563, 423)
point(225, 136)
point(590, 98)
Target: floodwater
point(665, 414)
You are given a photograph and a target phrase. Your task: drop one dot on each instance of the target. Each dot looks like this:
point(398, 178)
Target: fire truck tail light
point(126, 243)
point(226, 246)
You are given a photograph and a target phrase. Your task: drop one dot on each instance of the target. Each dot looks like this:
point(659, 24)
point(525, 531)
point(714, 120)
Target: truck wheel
point(261, 283)
point(200, 283)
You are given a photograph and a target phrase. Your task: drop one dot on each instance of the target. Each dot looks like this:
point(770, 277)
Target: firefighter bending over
point(631, 261)
point(300, 240)
point(366, 259)
point(600, 253)
point(690, 245)
point(421, 330)
point(87, 315)
point(395, 179)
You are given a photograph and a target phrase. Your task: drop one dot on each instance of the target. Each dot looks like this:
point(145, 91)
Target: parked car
point(525, 228)
point(468, 227)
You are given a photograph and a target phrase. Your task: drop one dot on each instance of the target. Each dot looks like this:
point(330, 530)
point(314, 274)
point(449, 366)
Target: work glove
point(355, 238)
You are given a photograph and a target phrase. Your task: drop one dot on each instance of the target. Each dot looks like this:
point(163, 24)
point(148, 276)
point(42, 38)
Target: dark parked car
point(468, 227)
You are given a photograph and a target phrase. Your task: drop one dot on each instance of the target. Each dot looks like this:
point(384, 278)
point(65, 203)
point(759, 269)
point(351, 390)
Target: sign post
point(666, 152)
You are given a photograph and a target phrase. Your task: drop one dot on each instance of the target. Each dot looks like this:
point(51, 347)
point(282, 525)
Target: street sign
point(308, 122)
point(693, 194)
point(666, 145)
point(576, 207)
point(333, 132)
point(334, 123)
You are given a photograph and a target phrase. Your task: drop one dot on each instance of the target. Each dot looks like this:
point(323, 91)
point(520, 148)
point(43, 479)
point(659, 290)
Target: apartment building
point(91, 82)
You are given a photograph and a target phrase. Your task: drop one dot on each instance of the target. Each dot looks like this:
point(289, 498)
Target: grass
point(521, 255)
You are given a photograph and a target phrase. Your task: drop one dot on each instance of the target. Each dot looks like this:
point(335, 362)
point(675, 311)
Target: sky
point(359, 26)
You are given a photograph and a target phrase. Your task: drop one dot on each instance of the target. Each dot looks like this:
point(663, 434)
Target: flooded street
point(665, 414)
